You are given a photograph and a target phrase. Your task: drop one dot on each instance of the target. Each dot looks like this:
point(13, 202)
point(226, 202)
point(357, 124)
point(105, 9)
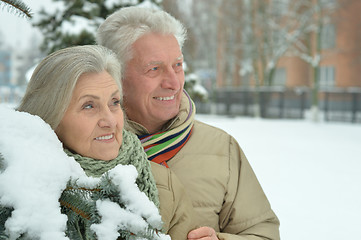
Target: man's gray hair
point(121, 29)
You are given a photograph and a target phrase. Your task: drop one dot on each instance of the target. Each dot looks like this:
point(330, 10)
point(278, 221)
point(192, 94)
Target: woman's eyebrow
point(88, 96)
point(96, 97)
point(115, 93)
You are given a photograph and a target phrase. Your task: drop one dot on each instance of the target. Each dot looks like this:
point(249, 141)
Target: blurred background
point(260, 58)
point(288, 72)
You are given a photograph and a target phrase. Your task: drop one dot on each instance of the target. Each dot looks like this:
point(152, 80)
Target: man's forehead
point(156, 47)
point(155, 60)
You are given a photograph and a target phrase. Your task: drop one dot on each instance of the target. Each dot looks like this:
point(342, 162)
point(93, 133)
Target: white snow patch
point(78, 24)
point(37, 170)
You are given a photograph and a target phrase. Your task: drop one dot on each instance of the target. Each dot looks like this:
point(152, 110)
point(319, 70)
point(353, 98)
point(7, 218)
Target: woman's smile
point(105, 138)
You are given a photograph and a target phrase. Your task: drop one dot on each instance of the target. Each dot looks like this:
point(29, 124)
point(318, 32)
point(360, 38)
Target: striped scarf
point(162, 146)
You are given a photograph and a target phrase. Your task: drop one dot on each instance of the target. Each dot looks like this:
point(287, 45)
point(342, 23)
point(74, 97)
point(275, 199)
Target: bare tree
point(308, 19)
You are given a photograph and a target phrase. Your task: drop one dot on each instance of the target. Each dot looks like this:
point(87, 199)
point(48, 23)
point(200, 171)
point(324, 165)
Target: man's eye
point(154, 68)
point(178, 67)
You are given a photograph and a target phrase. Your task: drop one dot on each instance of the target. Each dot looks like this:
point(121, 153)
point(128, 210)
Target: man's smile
point(165, 98)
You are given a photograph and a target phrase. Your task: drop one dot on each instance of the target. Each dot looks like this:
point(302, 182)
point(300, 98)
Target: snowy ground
point(311, 173)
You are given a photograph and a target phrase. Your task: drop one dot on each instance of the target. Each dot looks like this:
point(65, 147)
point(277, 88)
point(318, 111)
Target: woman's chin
point(107, 158)
point(102, 156)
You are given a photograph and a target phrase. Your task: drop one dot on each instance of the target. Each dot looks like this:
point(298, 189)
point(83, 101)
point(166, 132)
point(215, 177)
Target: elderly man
point(226, 195)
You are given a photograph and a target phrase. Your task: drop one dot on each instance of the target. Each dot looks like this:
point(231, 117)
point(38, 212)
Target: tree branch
point(19, 7)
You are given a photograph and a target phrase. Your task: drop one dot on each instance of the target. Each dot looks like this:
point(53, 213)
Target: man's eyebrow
point(153, 63)
point(179, 58)
point(161, 62)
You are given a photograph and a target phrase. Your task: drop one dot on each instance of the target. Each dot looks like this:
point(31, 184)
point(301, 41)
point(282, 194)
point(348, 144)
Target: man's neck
point(156, 127)
point(141, 129)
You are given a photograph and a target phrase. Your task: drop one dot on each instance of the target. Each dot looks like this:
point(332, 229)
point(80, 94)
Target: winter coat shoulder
point(175, 206)
point(223, 188)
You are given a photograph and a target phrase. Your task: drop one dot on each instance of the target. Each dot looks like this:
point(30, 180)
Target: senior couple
point(99, 104)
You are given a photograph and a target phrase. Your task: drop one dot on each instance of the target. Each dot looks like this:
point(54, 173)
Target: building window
point(279, 77)
point(327, 76)
point(328, 36)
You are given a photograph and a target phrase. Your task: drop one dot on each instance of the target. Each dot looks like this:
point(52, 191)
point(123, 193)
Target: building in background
point(277, 58)
point(340, 53)
point(289, 43)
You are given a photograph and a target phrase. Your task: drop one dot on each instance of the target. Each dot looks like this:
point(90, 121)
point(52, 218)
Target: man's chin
point(171, 115)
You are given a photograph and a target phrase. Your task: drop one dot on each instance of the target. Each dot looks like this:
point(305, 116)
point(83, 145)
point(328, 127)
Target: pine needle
point(18, 6)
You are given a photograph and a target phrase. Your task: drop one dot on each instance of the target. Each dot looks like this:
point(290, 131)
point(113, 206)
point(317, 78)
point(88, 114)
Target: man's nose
point(170, 79)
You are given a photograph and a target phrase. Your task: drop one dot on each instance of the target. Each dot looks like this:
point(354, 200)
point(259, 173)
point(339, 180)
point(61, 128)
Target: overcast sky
point(17, 30)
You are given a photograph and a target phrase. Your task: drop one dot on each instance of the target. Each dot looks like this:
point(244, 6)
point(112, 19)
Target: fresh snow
point(311, 173)
point(37, 170)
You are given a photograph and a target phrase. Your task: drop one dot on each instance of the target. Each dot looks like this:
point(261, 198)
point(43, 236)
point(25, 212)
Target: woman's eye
point(116, 102)
point(88, 106)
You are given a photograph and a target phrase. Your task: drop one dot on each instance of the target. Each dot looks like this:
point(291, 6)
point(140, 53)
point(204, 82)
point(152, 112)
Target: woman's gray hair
point(51, 86)
point(121, 29)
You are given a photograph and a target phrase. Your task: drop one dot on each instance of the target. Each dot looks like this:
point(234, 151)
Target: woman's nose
point(107, 119)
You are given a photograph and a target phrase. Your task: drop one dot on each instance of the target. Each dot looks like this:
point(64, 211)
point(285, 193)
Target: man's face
point(153, 82)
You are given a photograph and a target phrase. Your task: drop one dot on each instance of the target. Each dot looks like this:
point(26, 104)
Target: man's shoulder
point(161, 175)
point(208, 130)
point(206, 140)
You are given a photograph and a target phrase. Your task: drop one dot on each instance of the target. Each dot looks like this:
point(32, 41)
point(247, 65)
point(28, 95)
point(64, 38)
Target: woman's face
point(93, 123)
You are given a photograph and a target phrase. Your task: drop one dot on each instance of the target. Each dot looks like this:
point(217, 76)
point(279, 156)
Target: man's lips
point(165, 98)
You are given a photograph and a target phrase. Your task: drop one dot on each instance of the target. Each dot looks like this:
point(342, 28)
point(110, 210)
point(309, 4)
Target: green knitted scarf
point(130, 153)
point(79, 203)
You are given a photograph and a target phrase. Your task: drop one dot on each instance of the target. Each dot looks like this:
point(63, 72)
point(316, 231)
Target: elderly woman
point(77, 91)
